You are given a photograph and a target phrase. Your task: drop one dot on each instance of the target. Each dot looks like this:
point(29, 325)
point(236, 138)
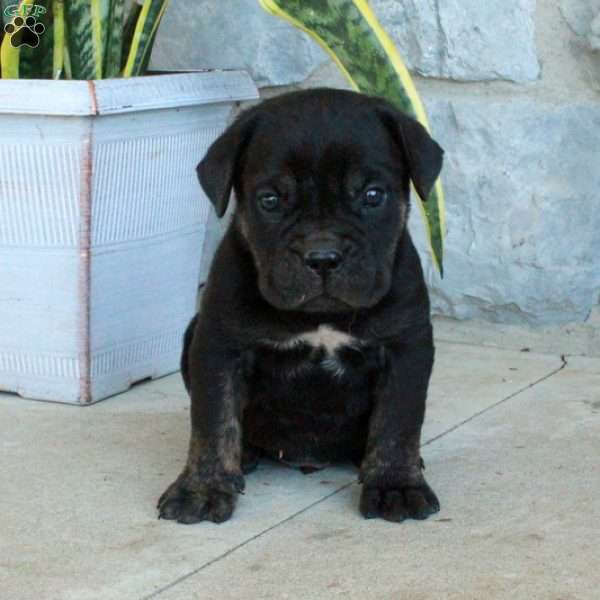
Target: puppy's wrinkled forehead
point(322, 143)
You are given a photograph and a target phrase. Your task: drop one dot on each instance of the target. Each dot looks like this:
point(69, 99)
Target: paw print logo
point(24, 32)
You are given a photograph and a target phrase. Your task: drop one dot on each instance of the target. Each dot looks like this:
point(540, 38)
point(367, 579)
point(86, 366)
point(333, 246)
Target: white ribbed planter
point(102, 225)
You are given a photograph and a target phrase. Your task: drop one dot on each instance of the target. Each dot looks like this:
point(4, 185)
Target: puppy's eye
point(374, 197)
point(269, 201)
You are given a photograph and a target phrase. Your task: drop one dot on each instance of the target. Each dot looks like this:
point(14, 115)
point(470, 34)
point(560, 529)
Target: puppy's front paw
point(190, 500)
point(398, 503)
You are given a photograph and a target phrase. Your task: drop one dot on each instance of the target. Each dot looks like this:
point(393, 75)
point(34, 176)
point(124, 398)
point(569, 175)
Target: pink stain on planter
point(85, 246)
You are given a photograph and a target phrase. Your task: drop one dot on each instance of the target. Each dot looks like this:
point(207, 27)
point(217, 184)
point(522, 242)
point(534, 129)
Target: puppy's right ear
point(217, 169)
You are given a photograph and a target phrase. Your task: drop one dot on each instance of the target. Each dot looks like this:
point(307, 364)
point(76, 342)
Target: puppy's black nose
point(323, 261)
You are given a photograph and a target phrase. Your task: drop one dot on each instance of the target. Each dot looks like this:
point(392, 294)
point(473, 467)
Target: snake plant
point(350, 33)
point(77, 39)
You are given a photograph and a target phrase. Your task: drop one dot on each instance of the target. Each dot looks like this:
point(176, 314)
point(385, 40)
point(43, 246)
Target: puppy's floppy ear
point(216, 171)
point(424, 156)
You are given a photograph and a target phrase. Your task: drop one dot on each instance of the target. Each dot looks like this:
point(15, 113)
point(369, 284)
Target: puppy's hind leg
point(250, 458)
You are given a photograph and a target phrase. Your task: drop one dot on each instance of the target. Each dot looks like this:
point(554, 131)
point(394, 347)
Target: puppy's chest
point(323, 354)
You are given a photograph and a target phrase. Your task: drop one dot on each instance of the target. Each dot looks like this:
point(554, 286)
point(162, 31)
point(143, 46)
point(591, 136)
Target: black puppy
point(314, 340)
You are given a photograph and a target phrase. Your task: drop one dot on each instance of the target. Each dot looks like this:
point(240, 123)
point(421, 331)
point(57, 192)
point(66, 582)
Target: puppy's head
point(322, 183)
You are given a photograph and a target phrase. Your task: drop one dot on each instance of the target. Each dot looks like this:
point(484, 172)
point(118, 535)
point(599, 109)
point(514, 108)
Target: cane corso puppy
point(313, 344)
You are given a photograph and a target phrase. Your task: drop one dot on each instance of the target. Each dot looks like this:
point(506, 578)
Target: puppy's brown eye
point(374, 197)
point(269, 202)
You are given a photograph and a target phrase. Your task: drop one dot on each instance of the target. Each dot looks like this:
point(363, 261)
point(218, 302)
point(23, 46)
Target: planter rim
point(117, 96)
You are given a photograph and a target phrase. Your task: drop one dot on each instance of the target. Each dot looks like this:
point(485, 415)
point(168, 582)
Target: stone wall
point(512, 88)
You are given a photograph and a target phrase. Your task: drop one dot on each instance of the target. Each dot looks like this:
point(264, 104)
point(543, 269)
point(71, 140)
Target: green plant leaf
point(83, 38)
point(67, 60)
point(100, 22)
point(114, 39)
point(58, 49)
point(349, 31)
point(143, 37)
point(129, 30)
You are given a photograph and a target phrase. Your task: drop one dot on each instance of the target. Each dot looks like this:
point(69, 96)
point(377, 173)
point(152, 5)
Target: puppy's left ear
point(423, 155)
point(217, 169)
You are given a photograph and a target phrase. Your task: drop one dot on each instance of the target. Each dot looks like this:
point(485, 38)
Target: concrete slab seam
point(552, 373)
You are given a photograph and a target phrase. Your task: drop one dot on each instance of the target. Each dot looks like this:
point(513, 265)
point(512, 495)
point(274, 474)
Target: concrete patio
point(512, 447)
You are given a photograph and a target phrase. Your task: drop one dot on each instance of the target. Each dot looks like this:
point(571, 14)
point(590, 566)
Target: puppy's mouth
point(324, 303)
point(316, 299)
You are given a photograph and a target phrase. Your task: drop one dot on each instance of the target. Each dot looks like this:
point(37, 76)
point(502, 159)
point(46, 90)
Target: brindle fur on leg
point(392, 469)
point(208, 487)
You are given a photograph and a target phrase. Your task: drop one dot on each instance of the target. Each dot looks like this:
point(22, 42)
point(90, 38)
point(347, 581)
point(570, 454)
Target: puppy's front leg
point(391, 472)
point(208, 486)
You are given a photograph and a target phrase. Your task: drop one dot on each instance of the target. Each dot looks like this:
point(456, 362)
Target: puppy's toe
point(170, 509)
point(192, 509)
point(394, 507)
point(370, 502)
point(421, 502)
point(219, 507)
point(171, 503)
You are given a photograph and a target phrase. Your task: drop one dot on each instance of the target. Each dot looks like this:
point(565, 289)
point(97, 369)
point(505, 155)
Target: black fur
point(260, 379)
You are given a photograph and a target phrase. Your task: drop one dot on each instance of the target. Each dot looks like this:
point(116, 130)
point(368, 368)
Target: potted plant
point(101, 216)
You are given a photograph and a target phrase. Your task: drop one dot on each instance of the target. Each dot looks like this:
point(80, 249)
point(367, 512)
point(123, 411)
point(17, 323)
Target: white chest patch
point(323, 337)
point(327, 339)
